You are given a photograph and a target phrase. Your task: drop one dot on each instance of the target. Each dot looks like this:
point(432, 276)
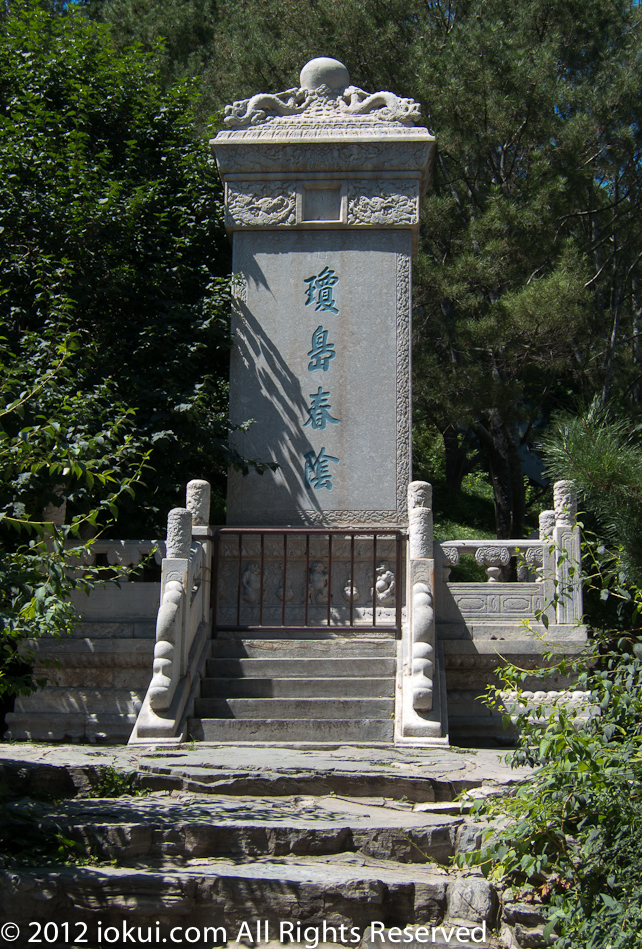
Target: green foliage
point(114, 783)
point(602, 453)
point(572, 828)
point(111, 211)
point(58, 444)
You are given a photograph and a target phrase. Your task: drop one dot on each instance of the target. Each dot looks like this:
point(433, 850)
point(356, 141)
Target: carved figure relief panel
point(383, 202)
point(266, 203)
point(349, 583)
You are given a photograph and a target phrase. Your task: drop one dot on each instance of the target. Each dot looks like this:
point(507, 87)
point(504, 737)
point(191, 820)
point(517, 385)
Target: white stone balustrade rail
point(495, 555)
point(548, 573)
point(183, 624)
point(121, 553)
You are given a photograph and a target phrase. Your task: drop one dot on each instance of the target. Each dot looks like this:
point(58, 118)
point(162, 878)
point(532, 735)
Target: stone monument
point(322, 191)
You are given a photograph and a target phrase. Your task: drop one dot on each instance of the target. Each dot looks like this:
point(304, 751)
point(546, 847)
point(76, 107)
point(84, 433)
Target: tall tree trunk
point(500, 445)
point(456, 449)
point(636, 389)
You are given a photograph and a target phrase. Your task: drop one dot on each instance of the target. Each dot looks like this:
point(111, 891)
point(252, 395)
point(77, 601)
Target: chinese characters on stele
point(320, 294)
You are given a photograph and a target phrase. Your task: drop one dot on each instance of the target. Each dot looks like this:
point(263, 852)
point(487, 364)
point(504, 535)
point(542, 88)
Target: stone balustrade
point(121, 553)
point(496, 556)
point(183, 624)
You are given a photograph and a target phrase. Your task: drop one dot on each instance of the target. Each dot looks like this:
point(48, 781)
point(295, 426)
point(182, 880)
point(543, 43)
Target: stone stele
point(322, 191)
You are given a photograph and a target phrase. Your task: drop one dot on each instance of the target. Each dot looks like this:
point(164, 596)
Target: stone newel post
point(421, 582)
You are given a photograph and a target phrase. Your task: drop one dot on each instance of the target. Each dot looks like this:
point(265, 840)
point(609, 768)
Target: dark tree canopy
point(110, 210)
point(526, 287)
point(527, 280)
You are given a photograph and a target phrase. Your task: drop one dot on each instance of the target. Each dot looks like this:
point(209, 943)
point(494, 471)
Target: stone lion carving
point(385, 583)
point(251, 583)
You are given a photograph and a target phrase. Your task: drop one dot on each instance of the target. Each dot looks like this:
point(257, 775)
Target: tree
point(57, 444)
point(237, 49)
point(107, 200)
point(526, 288)
point(508, 286)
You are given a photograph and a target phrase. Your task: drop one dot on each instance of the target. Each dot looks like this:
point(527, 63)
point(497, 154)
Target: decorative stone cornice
point(324, 97)
point(327, 126)
point(298, 108)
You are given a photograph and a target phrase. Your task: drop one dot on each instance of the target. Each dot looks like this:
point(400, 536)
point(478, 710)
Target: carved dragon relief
point(255, 110)
point(265, 203)
point(383, 202)
point(322, 103)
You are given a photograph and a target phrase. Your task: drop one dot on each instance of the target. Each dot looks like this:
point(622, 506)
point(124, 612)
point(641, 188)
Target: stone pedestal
point(322, 191)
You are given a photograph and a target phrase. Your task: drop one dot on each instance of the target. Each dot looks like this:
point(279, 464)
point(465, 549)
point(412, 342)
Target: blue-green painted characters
point(319, 411)
point(321, 291)
point(322, 351)
point(317, 470)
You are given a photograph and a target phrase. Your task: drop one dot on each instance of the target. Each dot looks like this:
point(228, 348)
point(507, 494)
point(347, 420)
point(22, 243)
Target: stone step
point(59, 700)
point(297, 688)
point(171, 772)
point(335, 634)
point(290, 730)
point(366, 784)
point(296, 708)
point(348, 889)
point(166, 830)
point(112, 728)
point(260, 843)
point(300, 668)
point(371, 784)
point(292, 648)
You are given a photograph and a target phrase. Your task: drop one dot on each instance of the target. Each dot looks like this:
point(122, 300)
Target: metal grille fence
point(294, 578)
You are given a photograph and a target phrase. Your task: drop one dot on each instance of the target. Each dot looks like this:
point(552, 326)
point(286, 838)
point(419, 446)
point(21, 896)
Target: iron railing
point(354, 617)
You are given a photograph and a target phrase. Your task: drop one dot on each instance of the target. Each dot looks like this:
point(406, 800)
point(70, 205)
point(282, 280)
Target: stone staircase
point(298, 690)
point(96, 682)
point(315, 846)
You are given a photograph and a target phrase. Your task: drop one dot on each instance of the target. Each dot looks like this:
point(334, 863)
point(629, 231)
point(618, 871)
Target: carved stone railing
point(546, 570)
point(323, 579)
point(183, 624)
point(421, 710)
point(495, 556)
point(458, 633)
point(122, 554)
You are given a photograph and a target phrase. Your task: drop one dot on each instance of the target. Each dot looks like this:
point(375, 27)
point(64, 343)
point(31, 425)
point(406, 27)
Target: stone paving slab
point(426, 776)
point(476, 766)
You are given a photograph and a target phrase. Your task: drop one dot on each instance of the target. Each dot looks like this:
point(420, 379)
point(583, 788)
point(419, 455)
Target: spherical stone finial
point(324, 71)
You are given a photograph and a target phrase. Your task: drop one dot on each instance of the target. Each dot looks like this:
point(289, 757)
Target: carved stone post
point(568, 554)
point(547, 571)
point(198, 502)
point(421, 580)
point(179, 533)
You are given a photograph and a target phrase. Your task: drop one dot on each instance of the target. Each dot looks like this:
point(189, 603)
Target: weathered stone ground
point(230, 835)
